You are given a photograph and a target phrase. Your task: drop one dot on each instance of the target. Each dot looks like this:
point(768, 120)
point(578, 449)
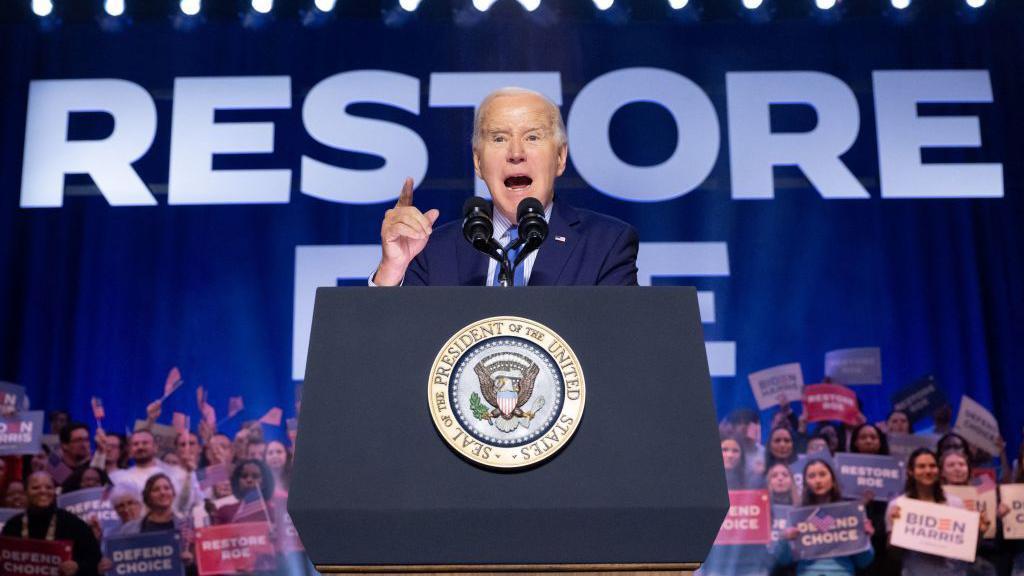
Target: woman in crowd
point(42, 520)
point(733, 458)
point(835, 437)
point(110, 454)
point(279, 461)
point(781, 446)
point(923, 484)
point(898, 422)
point(869, 439)
point(158, 495)
point(85, 478)
point(127, 503)
point(820, 487)
point(781, 486)
point(251, 479)
point(15, 495)
point(817, 444)
point(955, 470)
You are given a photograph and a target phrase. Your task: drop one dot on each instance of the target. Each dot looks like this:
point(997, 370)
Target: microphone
point(478, 229)
point(477, 226)
point(533, 228)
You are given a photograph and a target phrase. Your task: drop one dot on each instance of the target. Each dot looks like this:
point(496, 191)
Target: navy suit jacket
point(596, 250)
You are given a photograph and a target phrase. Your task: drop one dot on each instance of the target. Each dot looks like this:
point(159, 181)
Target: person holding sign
point(158, 496)
point(869, 439)
point(820, 487)
point(955, 470)
point(42, 520)
point(923, 484)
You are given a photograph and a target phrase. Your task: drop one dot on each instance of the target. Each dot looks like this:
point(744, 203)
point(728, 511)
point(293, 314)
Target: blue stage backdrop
point(173, 193)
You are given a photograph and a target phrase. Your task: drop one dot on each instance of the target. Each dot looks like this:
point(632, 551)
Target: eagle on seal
point(490, 387)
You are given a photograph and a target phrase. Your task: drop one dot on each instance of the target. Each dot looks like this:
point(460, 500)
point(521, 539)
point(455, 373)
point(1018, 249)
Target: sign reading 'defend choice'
point(152, 554)
point(920, 399)
point(1013, 523)
point(978, 426)
point(32, 557)
point(935, 529)
point(21, 433)
point(235, 548)
point(778, 384)
point(287, 535)
point(823, 402)
point(828, 531)
point(780, 520)
point(859, 473)
point(90, 503)
point(749, 518)
point(983, 502)
point(854, 365)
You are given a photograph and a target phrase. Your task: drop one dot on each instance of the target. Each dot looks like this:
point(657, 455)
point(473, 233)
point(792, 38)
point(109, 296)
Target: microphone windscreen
point(473, 203)
point(529, 205)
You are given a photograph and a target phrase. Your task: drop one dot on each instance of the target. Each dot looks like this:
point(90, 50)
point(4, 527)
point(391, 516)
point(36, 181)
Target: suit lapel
point(472, 264)
point(558, 247)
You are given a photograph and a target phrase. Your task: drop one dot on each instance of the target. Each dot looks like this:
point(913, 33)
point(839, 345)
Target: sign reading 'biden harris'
point(506, 392)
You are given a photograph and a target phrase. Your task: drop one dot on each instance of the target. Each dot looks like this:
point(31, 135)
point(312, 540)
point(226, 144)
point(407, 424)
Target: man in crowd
point(75, 450)
point(519, 149)
point(143, 451)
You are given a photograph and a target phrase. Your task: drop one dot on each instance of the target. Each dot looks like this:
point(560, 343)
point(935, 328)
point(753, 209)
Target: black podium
point(377, 488)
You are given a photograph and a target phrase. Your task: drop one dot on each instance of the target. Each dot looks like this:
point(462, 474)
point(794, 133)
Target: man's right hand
point(403, 235)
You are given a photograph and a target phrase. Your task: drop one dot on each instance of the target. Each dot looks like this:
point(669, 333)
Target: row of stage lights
point(116, 8)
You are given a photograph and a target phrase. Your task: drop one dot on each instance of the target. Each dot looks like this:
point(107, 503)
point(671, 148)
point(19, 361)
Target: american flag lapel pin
point(559, 238)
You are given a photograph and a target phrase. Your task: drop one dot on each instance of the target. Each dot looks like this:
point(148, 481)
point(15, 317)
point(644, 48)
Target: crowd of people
point(207, 479)
point(796, 466)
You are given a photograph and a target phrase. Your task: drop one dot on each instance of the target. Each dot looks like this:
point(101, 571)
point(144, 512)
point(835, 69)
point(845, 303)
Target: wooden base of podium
point(685, 569)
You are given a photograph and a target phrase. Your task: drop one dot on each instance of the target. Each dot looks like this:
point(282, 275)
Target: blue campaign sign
point(854, 365)
point(89, 503)
point(829, 530)
point(151, 554)
point(21, 433)
point(919, 399)
point(780, 520)
point(12, 397)
point(883, 476)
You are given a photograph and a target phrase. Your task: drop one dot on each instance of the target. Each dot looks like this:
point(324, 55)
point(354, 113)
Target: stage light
point(752, 4)
point(483, 5)
point(678, 4)
point(825, 4)
point(900, 4)
point(324, 5)
point(263, 6)
point(975, 3)
point(190, 7)
point(603, 5)
point(529, 5)
point(409, 5)
point(42, 7)
point(114, 7)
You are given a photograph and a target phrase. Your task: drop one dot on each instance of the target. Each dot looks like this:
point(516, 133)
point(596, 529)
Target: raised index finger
point(405, 196)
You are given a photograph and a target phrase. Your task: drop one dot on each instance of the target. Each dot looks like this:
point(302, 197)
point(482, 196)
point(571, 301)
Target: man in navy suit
point(519, 148)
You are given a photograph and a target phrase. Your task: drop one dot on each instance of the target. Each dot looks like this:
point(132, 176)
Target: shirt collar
point(502, 224)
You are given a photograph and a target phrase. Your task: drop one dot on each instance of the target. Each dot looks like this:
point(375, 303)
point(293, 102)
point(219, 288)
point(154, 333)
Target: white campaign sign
point(982, 502)
point(935, 529)
point(785, 383)
point(977, 425)
point(1013, 523)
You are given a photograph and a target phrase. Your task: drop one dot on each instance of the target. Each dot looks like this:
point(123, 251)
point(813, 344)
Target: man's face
point(518, 154)
point(187, 448)
point(143, 448)
point(77, 449)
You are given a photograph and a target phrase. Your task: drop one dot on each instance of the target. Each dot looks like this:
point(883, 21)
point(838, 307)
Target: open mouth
point(518, 182)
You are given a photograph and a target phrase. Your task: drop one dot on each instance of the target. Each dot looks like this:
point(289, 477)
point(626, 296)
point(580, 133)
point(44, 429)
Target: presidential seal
point(506, 392)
